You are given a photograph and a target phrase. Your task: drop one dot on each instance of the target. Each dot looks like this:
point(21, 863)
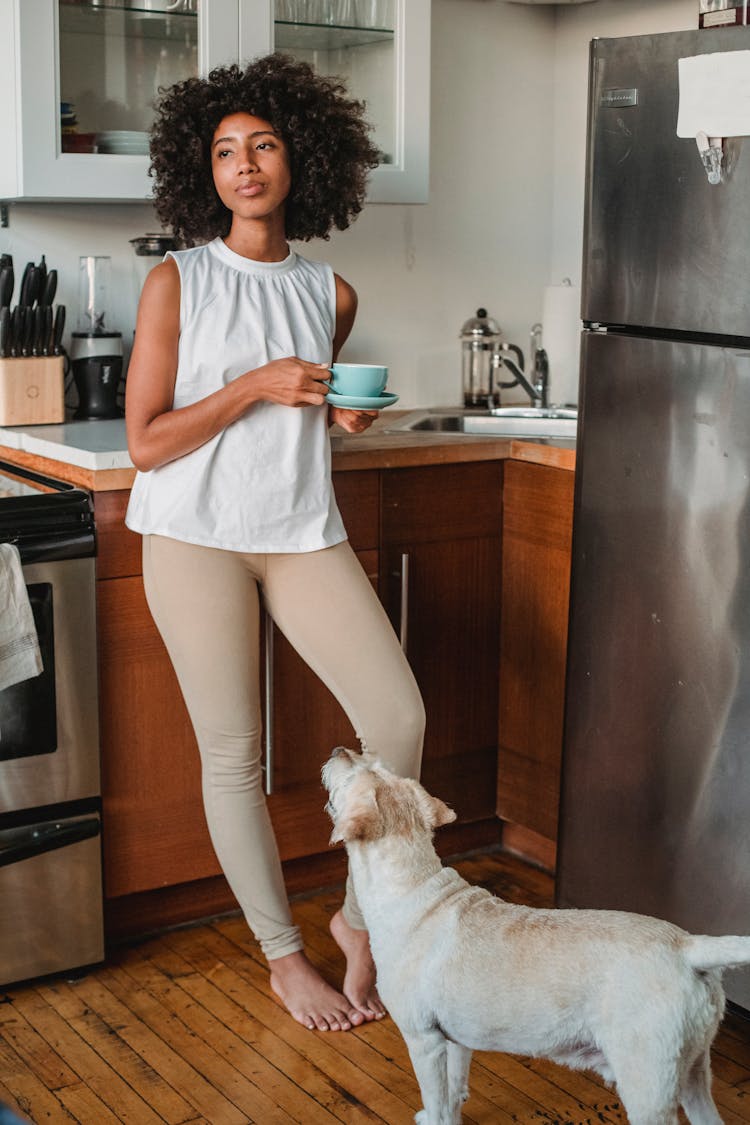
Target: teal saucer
point(354, 402)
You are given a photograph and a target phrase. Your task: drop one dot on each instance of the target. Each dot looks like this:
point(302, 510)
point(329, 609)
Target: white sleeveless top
point(264, 483)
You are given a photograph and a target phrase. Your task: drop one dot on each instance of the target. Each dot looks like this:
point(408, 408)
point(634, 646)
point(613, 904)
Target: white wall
point(420, 270)
point(506, 195)
point(484, 237)
point(65, 231)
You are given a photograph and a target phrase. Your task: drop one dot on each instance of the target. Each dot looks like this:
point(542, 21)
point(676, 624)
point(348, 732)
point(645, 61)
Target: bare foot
point(308, 998)
point(359, 981)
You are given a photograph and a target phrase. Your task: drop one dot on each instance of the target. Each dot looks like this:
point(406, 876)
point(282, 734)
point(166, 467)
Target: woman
point(228, 426)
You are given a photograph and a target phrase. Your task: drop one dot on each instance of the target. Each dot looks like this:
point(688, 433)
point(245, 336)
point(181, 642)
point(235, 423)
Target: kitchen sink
point(505, 421)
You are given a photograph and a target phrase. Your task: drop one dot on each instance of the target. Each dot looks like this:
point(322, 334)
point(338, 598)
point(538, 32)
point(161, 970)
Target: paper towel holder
point(561, 323)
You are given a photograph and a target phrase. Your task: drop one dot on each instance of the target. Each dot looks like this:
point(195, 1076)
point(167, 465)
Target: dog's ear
point(441, 814)
point(361, 819)
point(432, 811)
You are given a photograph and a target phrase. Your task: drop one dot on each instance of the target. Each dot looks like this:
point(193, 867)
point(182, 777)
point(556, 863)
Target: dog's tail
point(717, 952)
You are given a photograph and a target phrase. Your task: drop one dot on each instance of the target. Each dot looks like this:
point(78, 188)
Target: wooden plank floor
point(182, 1028)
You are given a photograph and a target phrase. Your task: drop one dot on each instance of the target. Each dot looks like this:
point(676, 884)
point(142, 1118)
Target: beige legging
point(206, 606)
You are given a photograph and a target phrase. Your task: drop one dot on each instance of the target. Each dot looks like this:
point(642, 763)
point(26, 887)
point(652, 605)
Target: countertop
point(94, 454)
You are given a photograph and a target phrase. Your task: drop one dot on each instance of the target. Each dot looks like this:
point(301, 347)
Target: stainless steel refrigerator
point(656, 770)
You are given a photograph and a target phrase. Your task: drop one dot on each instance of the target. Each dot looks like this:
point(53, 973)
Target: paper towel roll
point(561, 339)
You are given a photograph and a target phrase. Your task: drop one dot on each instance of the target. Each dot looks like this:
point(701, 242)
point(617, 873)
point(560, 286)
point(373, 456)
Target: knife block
point(32, 391)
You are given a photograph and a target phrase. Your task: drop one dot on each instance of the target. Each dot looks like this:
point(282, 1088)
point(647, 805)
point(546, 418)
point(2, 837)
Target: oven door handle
point(17, 844)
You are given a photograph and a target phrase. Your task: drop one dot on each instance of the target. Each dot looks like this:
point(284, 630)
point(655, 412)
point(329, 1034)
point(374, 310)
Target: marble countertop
point(87, 445)
point(94, 454)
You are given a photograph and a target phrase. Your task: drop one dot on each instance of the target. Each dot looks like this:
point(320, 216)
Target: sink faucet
point(536, 393)
point(541, 383)
point(541, 365)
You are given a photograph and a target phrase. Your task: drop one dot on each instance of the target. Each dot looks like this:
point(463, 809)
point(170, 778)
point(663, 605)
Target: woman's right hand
point(289, 381)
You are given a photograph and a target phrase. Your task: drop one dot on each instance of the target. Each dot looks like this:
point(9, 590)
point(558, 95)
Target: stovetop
point(45, 518)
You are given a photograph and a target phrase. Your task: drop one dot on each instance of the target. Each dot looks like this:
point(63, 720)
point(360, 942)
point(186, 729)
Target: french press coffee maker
point(482, 347)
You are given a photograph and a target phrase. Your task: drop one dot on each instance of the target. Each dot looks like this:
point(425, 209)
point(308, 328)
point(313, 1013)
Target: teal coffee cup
point(358, 380)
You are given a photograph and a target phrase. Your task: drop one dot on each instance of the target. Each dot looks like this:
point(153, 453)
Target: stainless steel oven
point(50, 808)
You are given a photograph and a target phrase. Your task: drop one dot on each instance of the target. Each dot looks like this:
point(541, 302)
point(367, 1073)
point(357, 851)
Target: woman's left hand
point(353, 421)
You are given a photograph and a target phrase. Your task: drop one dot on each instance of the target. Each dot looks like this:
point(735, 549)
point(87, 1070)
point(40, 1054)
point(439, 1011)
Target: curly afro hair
point(325, 132)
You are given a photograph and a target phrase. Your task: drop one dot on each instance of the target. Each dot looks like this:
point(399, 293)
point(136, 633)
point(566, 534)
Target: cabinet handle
point(268, 717)
point(403, 629)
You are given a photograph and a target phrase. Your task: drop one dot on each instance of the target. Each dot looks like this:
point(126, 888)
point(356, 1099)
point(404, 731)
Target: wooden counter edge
point(95, 480)
point(392, 451)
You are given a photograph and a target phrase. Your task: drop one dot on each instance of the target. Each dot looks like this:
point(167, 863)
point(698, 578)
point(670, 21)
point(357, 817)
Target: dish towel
point(20, 658)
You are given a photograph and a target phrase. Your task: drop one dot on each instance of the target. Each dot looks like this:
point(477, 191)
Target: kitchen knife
point(48, 290)
point(4, 331)
point(37, 341)
point(15, 331)
point(41, 270)
point(35, 279)
point(27, 330)
point(6, 285)
point(26, 282)
point(19, 332)
point(47, 335)
point(57, 331)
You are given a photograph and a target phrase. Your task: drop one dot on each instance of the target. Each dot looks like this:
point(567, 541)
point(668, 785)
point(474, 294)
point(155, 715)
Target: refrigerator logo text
point(614, 99)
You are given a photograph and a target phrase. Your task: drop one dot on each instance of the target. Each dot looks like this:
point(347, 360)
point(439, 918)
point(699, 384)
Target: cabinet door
point(537, 532)
point(154, 830)
point(307, 721)
point(77, 79)
point(382, 50)
point(118, 550)
point(440, 581)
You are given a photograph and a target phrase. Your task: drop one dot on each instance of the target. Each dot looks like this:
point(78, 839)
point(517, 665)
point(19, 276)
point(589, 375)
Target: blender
point(95, 352)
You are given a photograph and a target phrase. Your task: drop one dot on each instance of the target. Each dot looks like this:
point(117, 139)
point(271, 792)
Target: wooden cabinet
point(78, 78)
point(154, 827)
point(155, 834)
point(537, 530)
point(440, 551)
point(447, 521)
point(447, 547)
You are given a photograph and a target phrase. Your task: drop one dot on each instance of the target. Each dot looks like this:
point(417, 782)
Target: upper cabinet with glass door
point(381, 48)
point(78, 79)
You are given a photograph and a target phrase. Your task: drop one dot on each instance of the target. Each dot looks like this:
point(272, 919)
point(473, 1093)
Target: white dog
point(636, 999)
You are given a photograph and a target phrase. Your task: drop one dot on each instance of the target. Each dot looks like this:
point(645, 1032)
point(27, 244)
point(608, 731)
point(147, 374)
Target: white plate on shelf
point(121, 150)
point(354, 402)
point(122, 135)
